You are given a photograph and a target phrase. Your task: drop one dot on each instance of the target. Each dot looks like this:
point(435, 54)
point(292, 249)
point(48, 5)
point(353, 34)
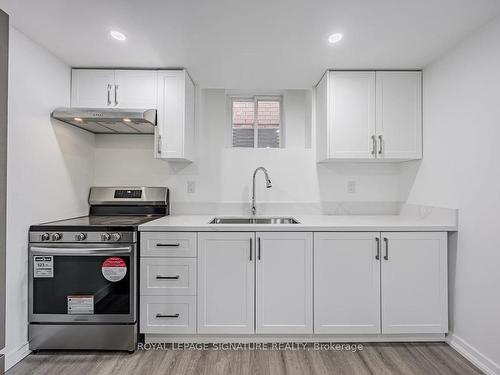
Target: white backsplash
point(223, 175)
point(286, 208)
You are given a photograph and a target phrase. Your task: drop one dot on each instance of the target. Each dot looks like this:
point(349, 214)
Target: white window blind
point(256, 122)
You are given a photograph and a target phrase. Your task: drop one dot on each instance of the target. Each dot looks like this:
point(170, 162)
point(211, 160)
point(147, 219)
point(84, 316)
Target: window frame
point(255, 99)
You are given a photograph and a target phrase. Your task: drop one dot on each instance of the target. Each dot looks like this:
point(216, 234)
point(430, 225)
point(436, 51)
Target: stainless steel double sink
point(254, 220)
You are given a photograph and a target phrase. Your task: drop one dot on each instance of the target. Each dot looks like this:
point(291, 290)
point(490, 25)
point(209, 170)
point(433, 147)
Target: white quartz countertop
point(320, 223)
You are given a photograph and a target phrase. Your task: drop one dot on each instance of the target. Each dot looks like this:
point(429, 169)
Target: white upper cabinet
point(284, 282)
point(171, 92)
point(351, 115)
point(363, 115)
point(399, 115)
point(92, 88)
point(414, 283)
point(175, 128)
point(135, 89)
point(341, 306)
point(132, 89)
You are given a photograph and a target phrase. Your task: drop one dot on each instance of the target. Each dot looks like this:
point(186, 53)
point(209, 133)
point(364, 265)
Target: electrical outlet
point(351, 187)
point(191, 187)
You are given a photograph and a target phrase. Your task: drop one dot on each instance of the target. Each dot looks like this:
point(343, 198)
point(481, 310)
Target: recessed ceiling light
point(334, 38)
point(118, 35)
point(78, 119)
point(126, 120)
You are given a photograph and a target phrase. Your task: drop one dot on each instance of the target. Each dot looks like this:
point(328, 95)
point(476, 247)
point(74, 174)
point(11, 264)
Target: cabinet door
point(414, 282)
point(135, 89)
point(167, 314)
point(399, 115)
point(284, 282)
point(173, 130)
point(168, 276)
point(92, 88)
point(226, 282)
point(351, 120)
point(347, 283)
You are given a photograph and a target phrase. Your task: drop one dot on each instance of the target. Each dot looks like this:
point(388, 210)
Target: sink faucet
point(268, 185)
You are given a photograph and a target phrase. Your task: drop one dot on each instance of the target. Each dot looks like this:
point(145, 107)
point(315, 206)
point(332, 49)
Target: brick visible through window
point(256, 122)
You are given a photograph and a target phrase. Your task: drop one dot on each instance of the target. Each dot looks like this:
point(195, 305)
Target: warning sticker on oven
point(80, 304)
point(43, 266)
point(114, 269)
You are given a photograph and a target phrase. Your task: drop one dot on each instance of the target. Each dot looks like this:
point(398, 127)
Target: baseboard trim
point(16, 356)
point(472, 354)
point(199, 338)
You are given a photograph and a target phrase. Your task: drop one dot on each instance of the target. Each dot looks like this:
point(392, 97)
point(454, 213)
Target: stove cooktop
point(98, 223)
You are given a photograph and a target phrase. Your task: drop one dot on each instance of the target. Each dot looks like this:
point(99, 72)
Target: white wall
point(49, 169)
point(223, 174)
point(461, 169)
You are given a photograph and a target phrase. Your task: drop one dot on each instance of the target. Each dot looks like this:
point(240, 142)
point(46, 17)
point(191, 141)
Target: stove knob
point(116, 236)
point(105, 236)
point(45, 237)
point(81, 237)
point(56, 236)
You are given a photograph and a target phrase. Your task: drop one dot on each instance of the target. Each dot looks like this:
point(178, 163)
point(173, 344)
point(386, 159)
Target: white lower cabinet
point(414, 282)
point(337, 283)
point(167, 283)
point(226, 282)
point(168, 244)
point(347, 283)
point(255, 283)
point(168, 276)
point(284, 294)
point(168, 314)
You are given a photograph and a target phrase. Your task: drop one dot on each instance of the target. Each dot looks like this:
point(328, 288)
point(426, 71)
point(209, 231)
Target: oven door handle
point(80, 251)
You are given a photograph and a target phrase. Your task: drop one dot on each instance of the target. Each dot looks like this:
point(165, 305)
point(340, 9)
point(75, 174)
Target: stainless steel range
point(83, 272)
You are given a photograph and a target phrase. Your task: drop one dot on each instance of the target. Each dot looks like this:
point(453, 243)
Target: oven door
point(82, 283)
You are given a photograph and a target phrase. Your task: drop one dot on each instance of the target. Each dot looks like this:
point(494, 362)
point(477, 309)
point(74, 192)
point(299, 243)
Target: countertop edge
point(299, 228)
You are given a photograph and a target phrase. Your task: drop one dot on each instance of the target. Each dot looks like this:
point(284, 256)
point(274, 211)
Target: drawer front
point(168, 244)
point(174, 314)
point(168, 276)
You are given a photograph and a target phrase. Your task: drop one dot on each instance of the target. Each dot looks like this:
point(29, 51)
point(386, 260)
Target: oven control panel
point(83, 237)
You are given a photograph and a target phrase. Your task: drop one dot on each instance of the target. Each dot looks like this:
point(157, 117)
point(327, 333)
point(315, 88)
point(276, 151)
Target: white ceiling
point(250, 44)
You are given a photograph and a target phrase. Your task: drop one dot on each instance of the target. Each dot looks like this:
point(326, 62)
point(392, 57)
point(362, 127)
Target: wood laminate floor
point(379, 358)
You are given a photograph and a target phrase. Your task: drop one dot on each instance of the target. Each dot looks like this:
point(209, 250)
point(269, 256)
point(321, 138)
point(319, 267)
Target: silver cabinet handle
point(258, 248)
point(251, 245)
point(167, 315)
point(374, 145)
point(116, 94)
point(158, 146)
point(378, 248)
point(109, 94)
point(160, 277)
point(386, 241)
point(177, 244)
point(380, 146)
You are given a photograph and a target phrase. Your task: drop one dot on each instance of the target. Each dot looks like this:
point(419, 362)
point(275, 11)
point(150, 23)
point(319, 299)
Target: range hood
point(109, 120)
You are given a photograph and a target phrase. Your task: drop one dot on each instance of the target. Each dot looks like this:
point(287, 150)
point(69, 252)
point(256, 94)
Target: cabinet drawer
point(168, 276)
point(174, 314)
point(168, 244)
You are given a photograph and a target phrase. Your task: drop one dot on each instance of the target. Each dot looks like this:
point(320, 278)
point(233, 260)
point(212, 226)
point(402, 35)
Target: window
point(256, 122)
